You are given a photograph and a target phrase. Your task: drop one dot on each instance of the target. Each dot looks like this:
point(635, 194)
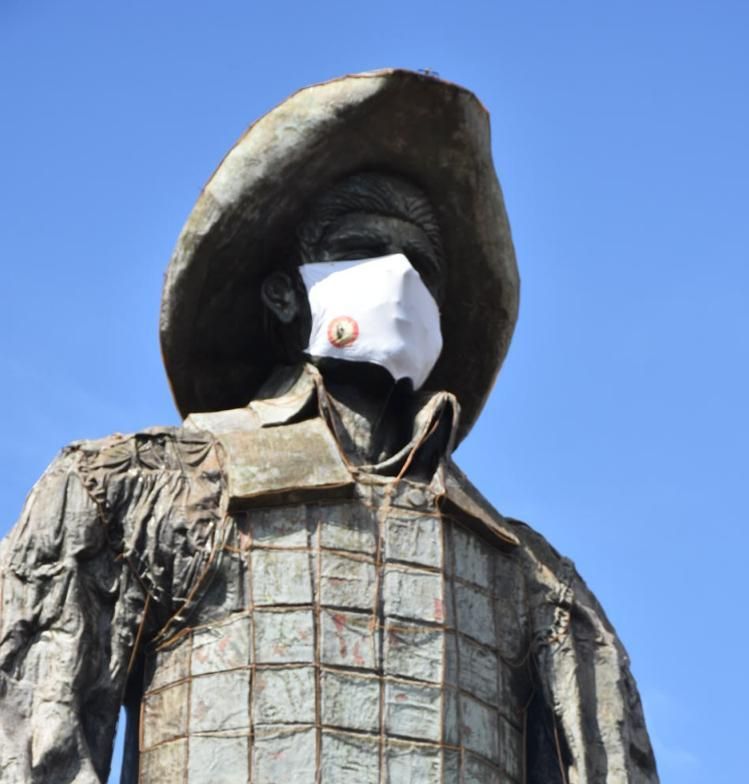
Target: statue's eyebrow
point(353, 234)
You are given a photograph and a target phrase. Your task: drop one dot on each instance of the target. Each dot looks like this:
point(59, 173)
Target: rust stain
point(340, 626)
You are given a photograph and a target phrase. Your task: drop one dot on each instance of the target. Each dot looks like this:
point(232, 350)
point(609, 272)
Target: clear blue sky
point(619, 426)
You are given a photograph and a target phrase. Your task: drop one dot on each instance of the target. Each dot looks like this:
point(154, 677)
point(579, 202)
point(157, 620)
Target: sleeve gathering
point(110, 550)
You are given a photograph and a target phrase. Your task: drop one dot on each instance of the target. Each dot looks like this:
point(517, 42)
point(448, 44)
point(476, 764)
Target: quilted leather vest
point(357, 629)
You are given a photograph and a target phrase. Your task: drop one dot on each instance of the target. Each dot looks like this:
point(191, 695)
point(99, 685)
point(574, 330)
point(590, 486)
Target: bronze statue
point(299, 584)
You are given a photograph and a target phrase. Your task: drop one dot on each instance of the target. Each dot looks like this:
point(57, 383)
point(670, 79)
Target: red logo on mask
point(342, 331)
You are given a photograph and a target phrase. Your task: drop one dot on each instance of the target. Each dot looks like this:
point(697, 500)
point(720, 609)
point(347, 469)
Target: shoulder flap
point(461, 497)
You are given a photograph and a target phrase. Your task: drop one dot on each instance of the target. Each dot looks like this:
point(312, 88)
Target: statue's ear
point(280, 296)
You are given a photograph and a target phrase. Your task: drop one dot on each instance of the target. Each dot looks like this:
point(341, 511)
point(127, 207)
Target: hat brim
point(430, 131)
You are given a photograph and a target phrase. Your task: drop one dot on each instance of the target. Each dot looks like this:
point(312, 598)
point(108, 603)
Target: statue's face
point(363, 217)
point(362, 235)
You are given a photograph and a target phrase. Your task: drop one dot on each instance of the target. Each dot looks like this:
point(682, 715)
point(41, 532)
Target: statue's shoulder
point(153, 448)
point(528, 541)
point(116, 440)
point(553, 578)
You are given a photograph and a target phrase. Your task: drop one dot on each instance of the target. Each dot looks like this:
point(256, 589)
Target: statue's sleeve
point(595, 721)
point(112, 540)
point(64, 638)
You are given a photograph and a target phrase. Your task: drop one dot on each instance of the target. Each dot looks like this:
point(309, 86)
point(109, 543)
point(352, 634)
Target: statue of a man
point(299, 584)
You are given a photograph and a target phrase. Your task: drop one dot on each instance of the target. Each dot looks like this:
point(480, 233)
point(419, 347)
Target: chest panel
point(366, 640)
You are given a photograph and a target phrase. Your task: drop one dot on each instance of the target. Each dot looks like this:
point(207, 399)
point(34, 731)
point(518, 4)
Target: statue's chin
point(368, 375)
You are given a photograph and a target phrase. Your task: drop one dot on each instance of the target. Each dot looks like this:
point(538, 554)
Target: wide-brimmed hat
point(432, 132)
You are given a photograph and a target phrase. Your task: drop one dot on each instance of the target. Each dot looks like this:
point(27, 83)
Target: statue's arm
point(69, 620)
point(588, 701)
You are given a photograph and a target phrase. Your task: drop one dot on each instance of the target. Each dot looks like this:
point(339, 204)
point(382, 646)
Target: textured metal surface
point(124, 546)
point(368, 652)
point(312, 465)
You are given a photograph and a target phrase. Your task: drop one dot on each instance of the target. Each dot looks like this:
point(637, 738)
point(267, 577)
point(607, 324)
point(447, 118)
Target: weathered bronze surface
point(299, 584)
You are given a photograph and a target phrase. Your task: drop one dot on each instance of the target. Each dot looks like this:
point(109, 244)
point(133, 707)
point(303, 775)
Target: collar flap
point(296, 463)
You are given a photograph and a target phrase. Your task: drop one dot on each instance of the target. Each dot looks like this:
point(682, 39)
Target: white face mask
point(374, 310)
